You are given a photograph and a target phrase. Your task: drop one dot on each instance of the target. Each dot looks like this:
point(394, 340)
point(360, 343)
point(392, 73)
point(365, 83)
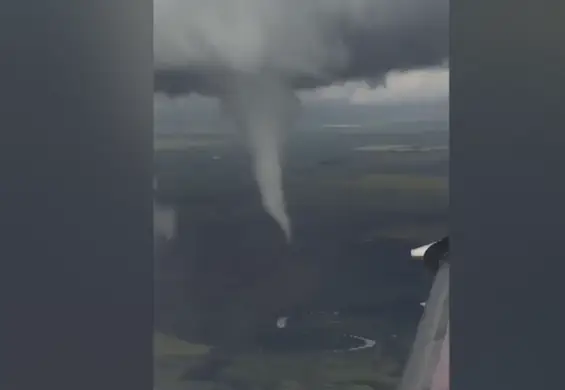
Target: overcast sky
point(400, 88)
point(202, 45)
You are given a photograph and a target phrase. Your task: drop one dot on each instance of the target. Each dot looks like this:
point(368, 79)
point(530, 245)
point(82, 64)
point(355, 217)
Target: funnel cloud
point(253, 55)
point(262, 106)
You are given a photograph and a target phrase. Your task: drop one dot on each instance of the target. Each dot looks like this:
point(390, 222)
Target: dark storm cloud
point(252, 54)
point(200, 43)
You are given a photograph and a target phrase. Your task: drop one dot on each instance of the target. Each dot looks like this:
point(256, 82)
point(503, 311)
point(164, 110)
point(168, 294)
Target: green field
point(313, 371)
point(172, 357)
point(170, 346)
point(356, 215)
point(398, 182)
point(181, 144)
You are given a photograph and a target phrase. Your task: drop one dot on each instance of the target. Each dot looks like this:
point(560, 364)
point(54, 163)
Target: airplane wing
point(428, 365)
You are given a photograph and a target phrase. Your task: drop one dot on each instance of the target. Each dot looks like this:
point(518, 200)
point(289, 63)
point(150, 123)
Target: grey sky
point(404, 88)
point(200, 43)
point(398, 88)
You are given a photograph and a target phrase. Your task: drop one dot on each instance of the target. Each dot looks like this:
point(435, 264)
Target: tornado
point(263, 107)
point(254, 54)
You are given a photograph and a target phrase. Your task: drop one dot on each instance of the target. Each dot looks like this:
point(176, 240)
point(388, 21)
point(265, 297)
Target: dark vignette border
point(507, 194)
point(76, 187)
point(75, 195)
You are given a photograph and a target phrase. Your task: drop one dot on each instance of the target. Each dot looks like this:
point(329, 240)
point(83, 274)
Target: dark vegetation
point(355, 215)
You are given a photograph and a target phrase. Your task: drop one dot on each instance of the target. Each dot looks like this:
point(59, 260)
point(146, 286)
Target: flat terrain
point(230, 275)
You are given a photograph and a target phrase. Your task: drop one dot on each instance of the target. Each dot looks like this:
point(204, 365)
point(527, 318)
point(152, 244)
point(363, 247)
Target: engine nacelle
point(433, 255)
